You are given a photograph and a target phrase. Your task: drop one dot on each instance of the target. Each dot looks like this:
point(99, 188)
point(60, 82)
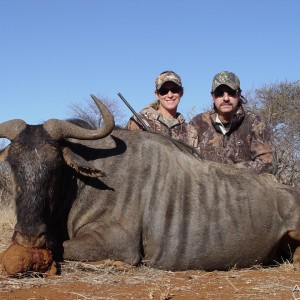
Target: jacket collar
point(167, 121)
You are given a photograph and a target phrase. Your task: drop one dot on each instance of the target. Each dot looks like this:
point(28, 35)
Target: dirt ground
point(113, 280)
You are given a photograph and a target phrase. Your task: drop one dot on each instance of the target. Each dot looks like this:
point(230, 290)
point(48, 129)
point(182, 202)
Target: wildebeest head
point(37, 158)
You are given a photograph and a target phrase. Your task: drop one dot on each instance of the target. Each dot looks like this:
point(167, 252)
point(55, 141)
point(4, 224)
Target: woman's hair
point(154, 105)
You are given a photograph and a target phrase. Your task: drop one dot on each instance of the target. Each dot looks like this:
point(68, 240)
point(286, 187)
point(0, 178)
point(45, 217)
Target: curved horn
point(11, 129)
point(59, 129)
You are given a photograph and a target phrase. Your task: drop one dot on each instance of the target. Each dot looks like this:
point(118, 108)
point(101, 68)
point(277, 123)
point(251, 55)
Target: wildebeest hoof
point(17, 259)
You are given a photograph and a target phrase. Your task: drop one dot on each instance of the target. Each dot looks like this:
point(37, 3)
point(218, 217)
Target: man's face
point(226, 100)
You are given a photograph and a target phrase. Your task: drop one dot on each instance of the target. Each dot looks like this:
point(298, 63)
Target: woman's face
point(169, 96)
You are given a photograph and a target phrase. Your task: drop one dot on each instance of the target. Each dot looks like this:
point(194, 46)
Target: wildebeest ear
point(80, 165)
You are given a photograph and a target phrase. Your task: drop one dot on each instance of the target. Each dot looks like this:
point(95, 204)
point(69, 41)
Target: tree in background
point(89, 111)
point(278, 104)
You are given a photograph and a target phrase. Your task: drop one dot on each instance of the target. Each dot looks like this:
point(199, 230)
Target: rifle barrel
point(146, 127)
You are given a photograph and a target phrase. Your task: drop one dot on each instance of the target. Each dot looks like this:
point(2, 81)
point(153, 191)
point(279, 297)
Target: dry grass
point(165, 283)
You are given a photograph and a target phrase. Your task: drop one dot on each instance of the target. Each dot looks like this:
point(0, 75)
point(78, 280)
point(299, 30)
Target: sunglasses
point(164, 91)
point(220, 92)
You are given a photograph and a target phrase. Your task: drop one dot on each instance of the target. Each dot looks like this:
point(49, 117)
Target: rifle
point(145, 126)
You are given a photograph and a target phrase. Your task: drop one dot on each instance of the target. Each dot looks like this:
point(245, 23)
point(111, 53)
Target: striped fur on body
point(175, 211)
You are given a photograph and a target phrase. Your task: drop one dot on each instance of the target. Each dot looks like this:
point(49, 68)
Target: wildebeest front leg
point(296, 257)
point(91, 246)
point(295, 235)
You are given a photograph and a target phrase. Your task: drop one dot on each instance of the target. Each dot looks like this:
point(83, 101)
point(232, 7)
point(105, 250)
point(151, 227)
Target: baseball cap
point(167, 76)
point(227, 78)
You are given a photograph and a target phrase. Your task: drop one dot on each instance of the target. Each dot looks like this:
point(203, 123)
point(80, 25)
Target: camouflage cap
point(227, 78)
point(167, 76)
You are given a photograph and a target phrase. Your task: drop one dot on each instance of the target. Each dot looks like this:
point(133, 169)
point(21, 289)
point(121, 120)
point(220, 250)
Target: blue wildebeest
point(157, 203)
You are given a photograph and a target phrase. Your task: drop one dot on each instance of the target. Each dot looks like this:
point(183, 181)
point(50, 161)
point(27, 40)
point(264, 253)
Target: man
point(231, 134)
point(162, 115)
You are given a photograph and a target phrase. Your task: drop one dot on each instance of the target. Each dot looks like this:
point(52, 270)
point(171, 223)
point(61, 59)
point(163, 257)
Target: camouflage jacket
point(246, 143)
point(175, 128)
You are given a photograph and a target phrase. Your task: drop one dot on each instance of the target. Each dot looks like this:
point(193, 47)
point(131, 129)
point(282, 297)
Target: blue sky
point(57, 52)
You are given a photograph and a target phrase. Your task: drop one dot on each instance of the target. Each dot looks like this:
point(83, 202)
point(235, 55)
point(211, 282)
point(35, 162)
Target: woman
point(162, 116)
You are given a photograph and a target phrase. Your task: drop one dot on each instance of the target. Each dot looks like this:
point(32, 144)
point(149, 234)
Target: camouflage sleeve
point(257, 166)
point(134, 124)
point(261, 150)
point(193, 137)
